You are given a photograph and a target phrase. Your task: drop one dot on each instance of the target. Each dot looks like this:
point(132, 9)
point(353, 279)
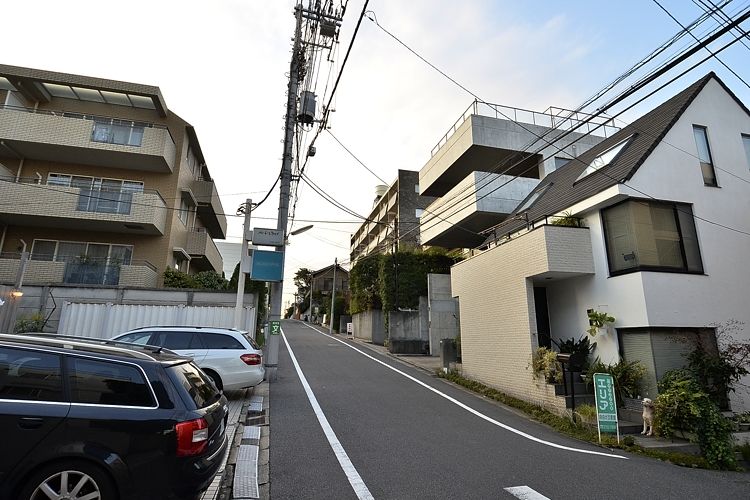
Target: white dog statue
point(648, 417)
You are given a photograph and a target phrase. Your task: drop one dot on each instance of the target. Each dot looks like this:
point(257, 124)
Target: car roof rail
point(103, 345)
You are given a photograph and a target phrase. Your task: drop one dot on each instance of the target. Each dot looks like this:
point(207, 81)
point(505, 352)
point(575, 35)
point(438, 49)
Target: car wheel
point(216, 379)
point(72, 480)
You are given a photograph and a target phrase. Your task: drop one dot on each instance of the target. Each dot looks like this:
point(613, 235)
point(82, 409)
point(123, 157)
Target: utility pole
point(310, 312)
point(238, 306)
point(333, 296)
point(327, 24)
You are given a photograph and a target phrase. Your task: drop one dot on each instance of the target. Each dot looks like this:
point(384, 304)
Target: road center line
point(525, 493)
point(360, 489)
point(466, 407)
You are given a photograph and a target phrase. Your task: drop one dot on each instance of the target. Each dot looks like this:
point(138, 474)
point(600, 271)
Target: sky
point(222, 65)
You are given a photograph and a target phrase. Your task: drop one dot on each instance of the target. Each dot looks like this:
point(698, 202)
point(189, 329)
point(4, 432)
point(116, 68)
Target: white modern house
point(663, 246)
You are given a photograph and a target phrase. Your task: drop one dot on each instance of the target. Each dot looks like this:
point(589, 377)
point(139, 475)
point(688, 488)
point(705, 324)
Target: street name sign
point(606, 405)
point(275, 327)
point(266, 237)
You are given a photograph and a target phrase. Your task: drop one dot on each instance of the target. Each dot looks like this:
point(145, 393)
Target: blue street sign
point(267, 265)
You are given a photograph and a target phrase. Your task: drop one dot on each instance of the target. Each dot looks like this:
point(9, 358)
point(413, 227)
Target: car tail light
point(192, 437)
point(251, 359)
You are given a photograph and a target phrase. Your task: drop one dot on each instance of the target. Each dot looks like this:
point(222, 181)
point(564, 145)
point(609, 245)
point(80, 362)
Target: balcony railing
point(102, 141)
point(107, 125)
point(34, 197)
point(80, 271)
point(559, 118)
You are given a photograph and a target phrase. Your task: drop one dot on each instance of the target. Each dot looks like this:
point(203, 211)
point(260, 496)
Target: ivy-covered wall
point(395, 281)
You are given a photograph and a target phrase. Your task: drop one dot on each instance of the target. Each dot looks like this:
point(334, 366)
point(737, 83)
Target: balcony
point(38, 272)
point(86, 139)
point(204, 255)
point(41, 205)
point(486, 200)
point(489, 137)
point(209, 208)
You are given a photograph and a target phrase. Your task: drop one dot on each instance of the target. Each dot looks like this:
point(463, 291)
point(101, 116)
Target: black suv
point(100, 420)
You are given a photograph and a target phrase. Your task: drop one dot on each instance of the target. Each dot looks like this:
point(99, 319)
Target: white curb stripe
point(525, 493)
point(468, 408)
point(360, 489)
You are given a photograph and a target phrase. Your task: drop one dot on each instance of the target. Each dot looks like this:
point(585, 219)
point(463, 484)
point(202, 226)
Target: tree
point(303, 281)
point(251, 286)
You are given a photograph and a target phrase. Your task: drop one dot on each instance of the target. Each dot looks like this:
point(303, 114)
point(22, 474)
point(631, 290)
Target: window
point(327, 284)
point(746, 143)
point(108, 383)
point(605, 158)
point(43, 250)
point(121, 132)
point(646, 235)
point(184, 212)
point(416, 188)
point(418, 212)
point(30, 375)
point(220, 341)
point(531, 199)
point(704, 154)
point(176, 341)
point(195, 382)
point(140, 338)
point(86, 263)
point(99, 195)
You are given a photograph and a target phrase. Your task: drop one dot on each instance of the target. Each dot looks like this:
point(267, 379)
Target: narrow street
point(404, 440)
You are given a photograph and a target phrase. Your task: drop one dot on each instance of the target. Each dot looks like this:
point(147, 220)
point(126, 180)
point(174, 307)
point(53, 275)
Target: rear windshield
point(251, 340)
point(195, 382)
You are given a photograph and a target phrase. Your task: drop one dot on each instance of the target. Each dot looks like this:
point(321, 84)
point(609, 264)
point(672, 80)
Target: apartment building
point(101, 183)
point(394, 217)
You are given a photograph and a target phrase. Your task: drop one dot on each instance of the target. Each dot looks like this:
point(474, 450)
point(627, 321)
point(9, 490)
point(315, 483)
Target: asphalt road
point(405, 441)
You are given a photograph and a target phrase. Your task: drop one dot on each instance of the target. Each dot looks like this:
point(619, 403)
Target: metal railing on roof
point(554, 117)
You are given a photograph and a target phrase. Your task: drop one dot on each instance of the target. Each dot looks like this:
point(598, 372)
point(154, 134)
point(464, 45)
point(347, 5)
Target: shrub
point(177, 279)
point(598, 320)
point(210, 280)
point(32, 323)
point(587, 413)
point(682, 404)
point(626, 376)
point(544, 363)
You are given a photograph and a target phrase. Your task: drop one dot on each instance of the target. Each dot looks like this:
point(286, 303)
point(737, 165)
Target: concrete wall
point(442, 311)
point(405, 325)
point(369, 325)
point(8, 309)
point(49, 299)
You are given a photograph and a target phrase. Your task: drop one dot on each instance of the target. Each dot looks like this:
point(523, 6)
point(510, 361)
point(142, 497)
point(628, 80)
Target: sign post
point(606, 405)
point(275, 327)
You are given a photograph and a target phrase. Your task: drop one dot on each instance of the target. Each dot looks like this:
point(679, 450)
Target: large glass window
point(184, 212)
point(746, 143)
point(30, 375)
point(647, 235)
point(704, 154)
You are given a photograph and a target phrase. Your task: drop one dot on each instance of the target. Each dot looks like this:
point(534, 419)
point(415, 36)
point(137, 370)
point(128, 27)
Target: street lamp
point(301, 230)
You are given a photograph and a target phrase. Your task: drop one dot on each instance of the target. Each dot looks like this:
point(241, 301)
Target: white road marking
point(360, 489)
point(525, 493)
point(468, 408)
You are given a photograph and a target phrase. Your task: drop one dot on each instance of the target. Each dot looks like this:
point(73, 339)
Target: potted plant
point(598, 320)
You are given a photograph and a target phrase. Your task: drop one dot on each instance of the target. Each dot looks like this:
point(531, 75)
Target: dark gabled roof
point(561, 187)
point(328, 268)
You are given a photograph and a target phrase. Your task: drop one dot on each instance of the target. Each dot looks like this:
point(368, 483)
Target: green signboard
point(275, 327)
point(606, 406)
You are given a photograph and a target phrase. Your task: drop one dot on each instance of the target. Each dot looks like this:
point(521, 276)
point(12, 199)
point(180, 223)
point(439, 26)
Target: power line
point(355, 156)
point(705, 47)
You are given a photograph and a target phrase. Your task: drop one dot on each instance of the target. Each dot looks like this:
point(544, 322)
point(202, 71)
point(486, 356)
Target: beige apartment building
point(102, 183)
